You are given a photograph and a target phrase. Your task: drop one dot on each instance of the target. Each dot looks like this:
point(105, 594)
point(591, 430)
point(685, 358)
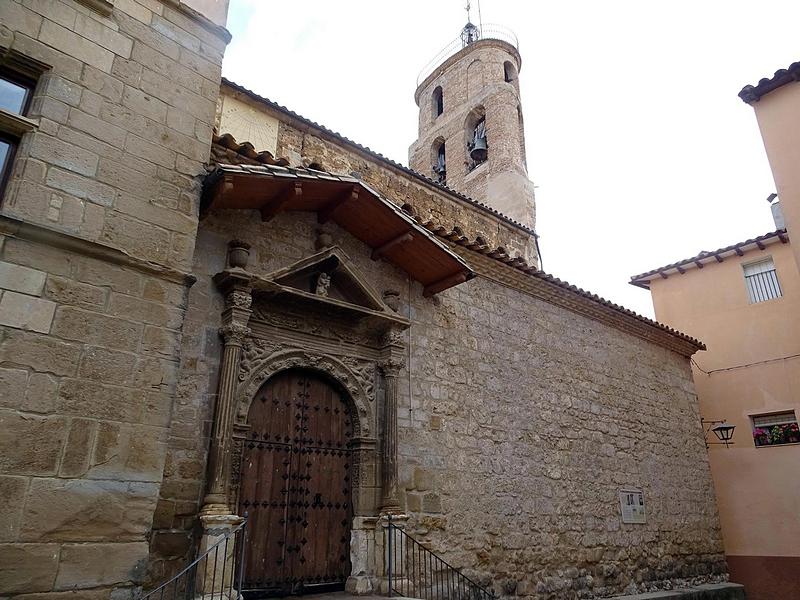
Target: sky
point(640, 149)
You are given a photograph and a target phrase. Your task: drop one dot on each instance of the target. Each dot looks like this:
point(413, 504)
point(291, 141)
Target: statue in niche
point(323, 284)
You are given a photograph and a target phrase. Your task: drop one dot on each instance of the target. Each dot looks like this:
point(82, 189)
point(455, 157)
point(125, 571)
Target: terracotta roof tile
point(642, 280)
point(753, 93)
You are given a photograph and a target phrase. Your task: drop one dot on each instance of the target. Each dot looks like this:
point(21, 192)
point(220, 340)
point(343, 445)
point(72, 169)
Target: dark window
point(477, 146)
point(8, 147)
point(438, 102)
point(509, 71)
point(15, 96)
point(440, 168)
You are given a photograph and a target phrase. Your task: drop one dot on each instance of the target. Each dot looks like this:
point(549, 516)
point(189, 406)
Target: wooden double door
point(295, 486)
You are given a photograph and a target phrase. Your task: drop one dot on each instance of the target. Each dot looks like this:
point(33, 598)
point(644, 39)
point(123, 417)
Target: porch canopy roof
point(346, 201)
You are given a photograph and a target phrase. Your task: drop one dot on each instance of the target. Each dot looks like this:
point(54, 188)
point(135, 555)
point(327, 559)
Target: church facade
point(295, 329)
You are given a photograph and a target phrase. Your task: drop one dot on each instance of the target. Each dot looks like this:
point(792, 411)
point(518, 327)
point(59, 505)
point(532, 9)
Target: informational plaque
point(631, 502)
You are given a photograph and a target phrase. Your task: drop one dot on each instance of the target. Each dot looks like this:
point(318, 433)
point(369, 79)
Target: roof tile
point(643, 277)
point(753, 93)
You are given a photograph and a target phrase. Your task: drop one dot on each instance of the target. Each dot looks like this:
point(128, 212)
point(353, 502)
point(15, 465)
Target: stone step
point(709, 591)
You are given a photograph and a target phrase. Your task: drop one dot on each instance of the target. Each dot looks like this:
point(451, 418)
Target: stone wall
point(519, 424)
point(99, 222)
point(523, 423)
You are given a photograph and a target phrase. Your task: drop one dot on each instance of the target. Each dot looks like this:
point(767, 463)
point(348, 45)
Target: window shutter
point(762, 281)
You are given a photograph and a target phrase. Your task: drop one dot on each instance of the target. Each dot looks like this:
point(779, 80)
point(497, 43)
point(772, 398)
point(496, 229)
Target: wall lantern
point(722, 429)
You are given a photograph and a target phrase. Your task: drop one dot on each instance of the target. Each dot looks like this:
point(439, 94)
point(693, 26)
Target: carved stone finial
point(238, 254)
point(392, 299)
point(324, 239)
point(323, 284)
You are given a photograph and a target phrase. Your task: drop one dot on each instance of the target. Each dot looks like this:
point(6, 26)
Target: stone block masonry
point(97, 228)
point(519, 422)
point(125, 117)
point(85, 408)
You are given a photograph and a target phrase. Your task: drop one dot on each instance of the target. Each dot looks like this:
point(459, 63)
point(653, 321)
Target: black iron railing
point(216, 574)
point(416, 572)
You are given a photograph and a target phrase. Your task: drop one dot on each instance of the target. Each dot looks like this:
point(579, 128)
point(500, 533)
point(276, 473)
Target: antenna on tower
point(480, 20)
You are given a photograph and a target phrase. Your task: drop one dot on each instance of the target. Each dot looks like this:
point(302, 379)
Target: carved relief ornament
point(239, 299)
point(234, 333)
point(356, 382)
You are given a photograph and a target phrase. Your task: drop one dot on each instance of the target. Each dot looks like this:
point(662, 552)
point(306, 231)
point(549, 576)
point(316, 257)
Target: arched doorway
point(296, 485)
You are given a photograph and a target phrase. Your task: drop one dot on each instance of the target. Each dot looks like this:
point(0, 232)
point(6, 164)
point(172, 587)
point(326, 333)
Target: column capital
point(392, 338)
point(234, 333)
point(392, 366)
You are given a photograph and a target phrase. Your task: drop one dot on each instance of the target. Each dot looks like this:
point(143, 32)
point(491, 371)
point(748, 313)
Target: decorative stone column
point(235, 285)
point(389, 498)
point(216, 575)
point(390, 546)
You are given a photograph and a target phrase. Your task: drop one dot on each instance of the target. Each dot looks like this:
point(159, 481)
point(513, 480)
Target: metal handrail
point(414, 571)
point(187, 583)
point(490, 31)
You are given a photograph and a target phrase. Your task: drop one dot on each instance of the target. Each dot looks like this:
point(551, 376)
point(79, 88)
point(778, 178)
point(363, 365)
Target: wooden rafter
point(395, 241)
point(443, 284)
point(274, 206)
point(325, 214)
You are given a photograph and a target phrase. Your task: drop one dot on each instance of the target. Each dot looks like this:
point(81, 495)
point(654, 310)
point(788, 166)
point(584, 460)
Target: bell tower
point(471, 135)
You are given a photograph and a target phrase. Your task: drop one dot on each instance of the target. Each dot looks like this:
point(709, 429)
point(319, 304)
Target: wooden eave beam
point(760, 245)
point(739, 252)
point(325, 214)
point(681, 270)
point(718, 257)
point(215, 193)
point(395, 241)
point(444, 283)
point(782, 237)
point(699, 264)
point(274, 206)
point(663, 275)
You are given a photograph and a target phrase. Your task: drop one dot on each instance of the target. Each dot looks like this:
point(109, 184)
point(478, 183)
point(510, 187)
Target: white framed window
point(775, 429)
point(761, 281)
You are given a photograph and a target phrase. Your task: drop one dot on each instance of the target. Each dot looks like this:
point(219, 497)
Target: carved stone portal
point(318, 314)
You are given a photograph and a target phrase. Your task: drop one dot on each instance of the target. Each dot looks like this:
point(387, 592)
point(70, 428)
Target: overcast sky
point(641, 151)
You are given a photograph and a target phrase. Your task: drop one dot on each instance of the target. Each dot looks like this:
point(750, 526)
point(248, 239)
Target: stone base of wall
point(711, 591)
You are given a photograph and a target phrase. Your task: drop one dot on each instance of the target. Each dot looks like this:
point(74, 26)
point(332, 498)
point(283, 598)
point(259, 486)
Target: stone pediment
point(329, 282)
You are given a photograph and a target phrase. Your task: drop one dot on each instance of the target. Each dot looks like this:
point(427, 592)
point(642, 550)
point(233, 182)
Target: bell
point(478, 152)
